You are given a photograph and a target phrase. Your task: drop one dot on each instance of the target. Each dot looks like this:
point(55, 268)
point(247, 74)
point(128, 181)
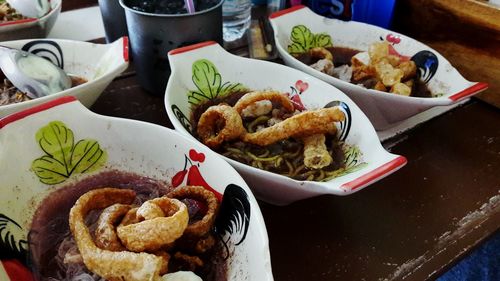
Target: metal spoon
point(31, 8)
point(31, 74)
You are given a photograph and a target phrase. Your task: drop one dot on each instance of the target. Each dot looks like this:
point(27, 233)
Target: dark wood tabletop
point(412, 225)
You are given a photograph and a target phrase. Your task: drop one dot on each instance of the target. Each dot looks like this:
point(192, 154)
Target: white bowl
point(384, 109)
point(258, 75)
point(31, 27)
point(99, 64)
point(122, 144)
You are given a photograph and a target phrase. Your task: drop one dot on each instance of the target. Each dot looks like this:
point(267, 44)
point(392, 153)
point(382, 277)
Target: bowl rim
point(450, 98)
point(258, 218)
point(394, 163)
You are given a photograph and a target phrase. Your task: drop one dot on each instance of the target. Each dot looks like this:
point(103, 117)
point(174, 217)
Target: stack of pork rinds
point(220, 123)
point(134, 243)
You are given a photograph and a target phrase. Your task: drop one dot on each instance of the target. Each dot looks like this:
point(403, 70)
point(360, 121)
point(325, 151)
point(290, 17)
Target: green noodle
point(287, 156)
point(257, 121)
point(262, 159)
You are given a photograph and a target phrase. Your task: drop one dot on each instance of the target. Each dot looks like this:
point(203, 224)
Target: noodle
point(289, 163)
point(286, 157)
point(257, 121)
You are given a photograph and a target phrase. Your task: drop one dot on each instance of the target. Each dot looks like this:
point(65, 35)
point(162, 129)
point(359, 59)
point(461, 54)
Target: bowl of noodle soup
point(391, 77)
point(91, 67)
point(14, 25)
point(90, 197)
point(267, 120)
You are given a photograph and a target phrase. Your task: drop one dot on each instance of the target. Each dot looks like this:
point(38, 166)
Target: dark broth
point(10, 94)
point(291, 149)
point(50, 223)
point(343, 55)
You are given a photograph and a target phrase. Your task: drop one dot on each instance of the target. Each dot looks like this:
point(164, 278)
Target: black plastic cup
point(152, 36)
point(113, 18)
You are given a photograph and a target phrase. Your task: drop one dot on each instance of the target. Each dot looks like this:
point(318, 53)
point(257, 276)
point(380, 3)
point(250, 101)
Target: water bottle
point(236, 18)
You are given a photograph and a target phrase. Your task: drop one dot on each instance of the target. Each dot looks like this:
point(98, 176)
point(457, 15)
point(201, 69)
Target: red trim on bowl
point(286, 11)
point(16, 270)
point(191, 47)
point(474, 89)
point(32, 110)
point(18, 21)
point(379, 172)
point(125, 48)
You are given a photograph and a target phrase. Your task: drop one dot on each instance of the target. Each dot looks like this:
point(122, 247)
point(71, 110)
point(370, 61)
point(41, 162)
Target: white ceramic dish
point(384, 109)
point(99, 64)
point(227, 69)
point(31, 27)
point(120, 144)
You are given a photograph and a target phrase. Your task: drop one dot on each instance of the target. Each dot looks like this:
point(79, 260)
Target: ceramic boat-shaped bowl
point(31, 27)
point(224, 70)
point(384, 109)
point(99, 64)
point(32, 141)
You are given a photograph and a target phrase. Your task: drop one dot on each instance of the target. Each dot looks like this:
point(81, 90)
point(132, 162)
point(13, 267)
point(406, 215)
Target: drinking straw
point(190, 6)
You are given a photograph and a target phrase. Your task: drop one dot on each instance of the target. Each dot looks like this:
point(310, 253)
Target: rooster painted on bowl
point(384, 110)
point(54, 152)
point(205, 71)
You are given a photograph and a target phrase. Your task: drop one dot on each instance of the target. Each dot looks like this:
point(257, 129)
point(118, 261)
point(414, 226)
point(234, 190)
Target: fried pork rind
point(306, 123)
point(361, 71)
point(273, 96)
point(149, 211)
point(220, 123)
point(111, 265)
point(155, 233)
point(388, 74)
point(409, 69)
point(401, 89)
point(257, 109)
point(316, 155)
point(201, 227)
point(378, 51)
point(391, 72)
point(105, 233)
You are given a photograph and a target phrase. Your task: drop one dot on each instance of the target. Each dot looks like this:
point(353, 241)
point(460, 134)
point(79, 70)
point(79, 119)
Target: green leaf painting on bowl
point(303, 40)
point(63, 157)
point(209, 83)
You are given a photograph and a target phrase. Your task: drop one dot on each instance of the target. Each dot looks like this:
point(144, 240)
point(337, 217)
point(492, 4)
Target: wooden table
point(412, 225)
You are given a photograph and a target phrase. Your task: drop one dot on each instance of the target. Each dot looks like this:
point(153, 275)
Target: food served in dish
point(270, 131)
point(381, 67)
point(7, 13)
point(10, 94)
point(127, 227)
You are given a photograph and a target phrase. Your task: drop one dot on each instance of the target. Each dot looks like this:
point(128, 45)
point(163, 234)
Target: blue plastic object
point(483, 264)
point(373, 12)
point(376, 12)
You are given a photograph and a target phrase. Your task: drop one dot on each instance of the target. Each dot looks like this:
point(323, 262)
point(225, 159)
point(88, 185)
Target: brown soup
point(50, 238)
point(343, 56)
